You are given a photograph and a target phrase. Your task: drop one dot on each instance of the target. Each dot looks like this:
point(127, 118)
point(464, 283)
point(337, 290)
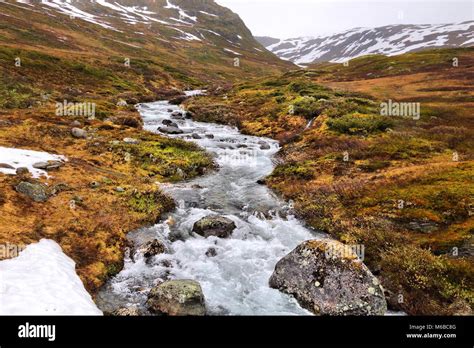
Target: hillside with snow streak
point(388, 40)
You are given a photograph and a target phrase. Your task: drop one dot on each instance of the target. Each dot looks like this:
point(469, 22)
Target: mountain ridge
point(388, 40)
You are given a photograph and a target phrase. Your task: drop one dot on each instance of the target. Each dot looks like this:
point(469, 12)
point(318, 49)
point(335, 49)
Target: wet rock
point(264, 145)
point(211, 252)
point(6, 166)
point(22, 171)
point(242, 146)
point(170, 130)
point(327, 278)
point(169, 123)
point(196, 136)
point(188, 114)
point(127, 312)
point(153, 248)
point(131, 141)
point(37, 192)
point(217, 226)
point(177, 298)
point(210, 136)
point(79, 133)
point(177, 114)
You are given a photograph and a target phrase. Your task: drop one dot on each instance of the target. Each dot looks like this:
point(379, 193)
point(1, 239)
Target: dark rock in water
point(170, 130)
point(196, 136)
point(217, 226)
point(188, 114)
point(170, 110)
point(211, 252)
point(261, 182)
point(242, 146)
point(177, 115)
point(327, 278)
point(264, 145)
point(177, 298)
point(37, 192)
point(153, 248)
point(210, 136)
point(178, 100)
point(6, 166)
point(22, 171)
point(169, 123)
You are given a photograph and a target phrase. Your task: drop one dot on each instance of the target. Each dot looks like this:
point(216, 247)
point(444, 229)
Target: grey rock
point(217, 226)
point(131, 141)
point(177, 298)
point(177, 115)
point(211, 252)
point(49, 165)
point(169, 123)
point(37, 192)
point(196, 136)
point(170, 130)
point(79, 133)
point(94, 184)
point(75, 124)
point(264, 145)
point(210, 136)
point(119, 189)
point(22, 171)
point(327, 278)
point(6, 166)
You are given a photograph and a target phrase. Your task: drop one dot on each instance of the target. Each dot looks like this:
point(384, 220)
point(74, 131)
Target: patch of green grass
point(359, 124)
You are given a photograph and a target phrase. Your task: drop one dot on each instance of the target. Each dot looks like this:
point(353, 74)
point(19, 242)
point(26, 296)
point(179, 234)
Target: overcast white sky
point(293, 18)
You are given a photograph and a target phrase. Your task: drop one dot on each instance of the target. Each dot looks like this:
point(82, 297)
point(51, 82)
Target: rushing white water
point(235, 280)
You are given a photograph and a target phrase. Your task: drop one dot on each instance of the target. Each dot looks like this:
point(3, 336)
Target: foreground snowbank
point(17, 158)
point(42, 281)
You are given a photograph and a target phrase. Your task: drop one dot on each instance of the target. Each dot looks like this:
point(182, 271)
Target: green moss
point(359, 124)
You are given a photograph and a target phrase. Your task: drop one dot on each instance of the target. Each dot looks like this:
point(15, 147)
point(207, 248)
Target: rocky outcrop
point(217, 226)
point(327, 278)
point(177, 298)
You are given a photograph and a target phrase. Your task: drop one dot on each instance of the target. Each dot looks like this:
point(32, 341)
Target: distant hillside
point(388, 40)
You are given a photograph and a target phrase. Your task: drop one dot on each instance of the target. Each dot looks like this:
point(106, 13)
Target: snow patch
point(25, 158)
point(42, 281)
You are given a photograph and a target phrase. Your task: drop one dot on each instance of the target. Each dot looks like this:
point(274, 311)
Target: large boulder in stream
point(327, 278)
point(177, 298)
point(218, 226)
point(170, 130)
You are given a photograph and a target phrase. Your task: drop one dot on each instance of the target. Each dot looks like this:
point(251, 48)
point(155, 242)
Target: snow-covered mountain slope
point(388, 40)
